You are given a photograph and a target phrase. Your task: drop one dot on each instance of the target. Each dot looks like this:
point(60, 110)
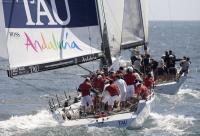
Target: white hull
point(127, 120)
point(170, 88)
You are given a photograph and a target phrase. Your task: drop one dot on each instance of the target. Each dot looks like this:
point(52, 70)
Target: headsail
point(134, 29)
point(49, 34)
point(111, 14)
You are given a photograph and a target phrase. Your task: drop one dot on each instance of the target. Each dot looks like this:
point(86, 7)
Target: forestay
point(134, 28)
point(42, 35)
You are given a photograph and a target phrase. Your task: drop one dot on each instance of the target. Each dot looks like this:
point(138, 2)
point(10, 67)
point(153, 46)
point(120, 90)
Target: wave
point(44, 123)
point(184, 94)
point(17, 123)
point(170, 124)
point(44, 120)
point(192, 92)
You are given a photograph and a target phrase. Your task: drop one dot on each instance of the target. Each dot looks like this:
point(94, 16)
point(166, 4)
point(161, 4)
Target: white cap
point(99, 76)
point(87, 78)
point(130, 69)
point(138, 83)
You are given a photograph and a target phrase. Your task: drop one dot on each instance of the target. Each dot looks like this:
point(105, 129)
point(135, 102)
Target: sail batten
point(44, 32)
point(132, 44)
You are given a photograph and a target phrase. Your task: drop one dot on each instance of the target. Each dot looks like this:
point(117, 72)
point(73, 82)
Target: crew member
point(141, 91)
point(122, 90)
point(114, 94)
point(149, 81)
point(130, 79)
point(185, 63)
point(86, 100)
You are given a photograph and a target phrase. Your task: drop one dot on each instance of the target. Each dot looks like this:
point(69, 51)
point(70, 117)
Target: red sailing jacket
point(113, 89)
point(129, 78)
point(98, 84)
point(85, 88)
point(142, 91)
point(148, 82)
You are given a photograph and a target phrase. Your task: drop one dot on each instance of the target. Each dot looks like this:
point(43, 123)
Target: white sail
point(111, 13)
point(145, 11)
point(51, 33)
point(134, 24)
point(3, 47)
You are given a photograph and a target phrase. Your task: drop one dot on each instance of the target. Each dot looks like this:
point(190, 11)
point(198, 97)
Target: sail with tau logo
point(41, 35)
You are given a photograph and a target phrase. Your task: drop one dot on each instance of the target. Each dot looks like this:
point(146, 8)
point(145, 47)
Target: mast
point(106, 60)
point(143, 7)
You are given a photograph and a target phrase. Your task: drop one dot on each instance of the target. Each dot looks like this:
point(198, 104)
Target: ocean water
point(24, 100)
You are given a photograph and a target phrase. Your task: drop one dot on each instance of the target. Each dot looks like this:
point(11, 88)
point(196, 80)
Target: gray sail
point(111, 14)
point(133, 27)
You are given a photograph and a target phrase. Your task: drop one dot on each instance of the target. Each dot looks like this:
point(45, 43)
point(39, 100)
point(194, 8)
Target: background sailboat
point(134, 35)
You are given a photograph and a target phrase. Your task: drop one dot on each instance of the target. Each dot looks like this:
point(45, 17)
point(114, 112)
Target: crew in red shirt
point(130, 78)
point(86, 99)
point(114, 94)
point(141, 91)
point(98, 83)
point(149, 81)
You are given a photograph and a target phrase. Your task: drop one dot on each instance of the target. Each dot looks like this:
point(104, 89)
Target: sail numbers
point(14, 34)
point(34, 69)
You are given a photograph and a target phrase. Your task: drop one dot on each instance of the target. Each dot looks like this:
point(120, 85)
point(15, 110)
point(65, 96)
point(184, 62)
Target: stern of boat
point(143, 111)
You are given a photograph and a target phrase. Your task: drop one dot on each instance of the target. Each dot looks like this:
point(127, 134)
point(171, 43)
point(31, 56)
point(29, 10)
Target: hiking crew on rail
point(115, 91)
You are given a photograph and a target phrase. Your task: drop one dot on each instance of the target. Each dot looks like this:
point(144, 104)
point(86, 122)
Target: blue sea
point(24, 99)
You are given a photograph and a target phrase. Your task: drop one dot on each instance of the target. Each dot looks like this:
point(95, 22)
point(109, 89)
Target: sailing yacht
point(134, 35)
point(44, 35)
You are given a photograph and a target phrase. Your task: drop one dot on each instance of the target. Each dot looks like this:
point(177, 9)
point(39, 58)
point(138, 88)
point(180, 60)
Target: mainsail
point(41, 35)
point(135, 26)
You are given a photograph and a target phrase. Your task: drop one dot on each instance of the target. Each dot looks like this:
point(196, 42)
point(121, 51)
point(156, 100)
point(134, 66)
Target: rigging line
point(103, 11)
point(90, 38)
point(91, 49)
point(171, 22)
point(37, 89)
point(2, 69)
point(86, 69)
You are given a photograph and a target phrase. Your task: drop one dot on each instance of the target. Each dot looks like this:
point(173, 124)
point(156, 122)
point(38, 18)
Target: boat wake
point(170, 124)
point(23, 123)
point(190, 92)
point(43, 123)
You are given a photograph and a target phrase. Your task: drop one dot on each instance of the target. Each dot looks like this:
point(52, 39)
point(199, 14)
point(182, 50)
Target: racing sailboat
point(44, 35)
point(172, 87)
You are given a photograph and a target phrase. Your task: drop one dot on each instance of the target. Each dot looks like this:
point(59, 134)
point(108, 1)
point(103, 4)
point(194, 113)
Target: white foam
point(42, 119)
point(171, 123)
point(193, 93)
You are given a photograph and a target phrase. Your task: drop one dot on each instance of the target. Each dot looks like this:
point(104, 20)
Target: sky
point(174, 9)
